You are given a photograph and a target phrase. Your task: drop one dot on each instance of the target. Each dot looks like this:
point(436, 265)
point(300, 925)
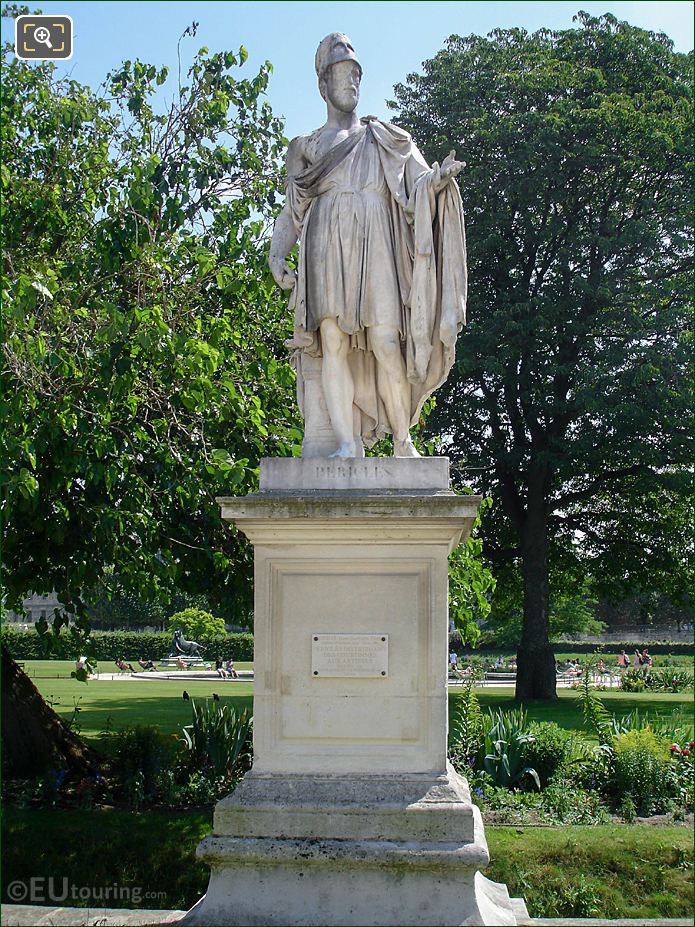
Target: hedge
point(110, 645)
point(670, 648)
point(129, 645)
point(674, 648)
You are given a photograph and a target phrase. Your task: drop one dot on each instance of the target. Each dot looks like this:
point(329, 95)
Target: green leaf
point(40, 288)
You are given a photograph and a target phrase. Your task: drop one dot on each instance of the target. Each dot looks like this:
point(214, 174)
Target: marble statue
point(351, 813)
point(379, 295)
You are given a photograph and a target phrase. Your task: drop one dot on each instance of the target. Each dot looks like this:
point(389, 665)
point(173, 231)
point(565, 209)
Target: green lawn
point(126, 701)
point(105, 704)
point(561, 872)
point(152, 851)
point(604, 871)
point(608, 871)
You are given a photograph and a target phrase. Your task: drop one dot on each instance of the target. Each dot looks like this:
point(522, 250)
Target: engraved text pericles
point(335, 470)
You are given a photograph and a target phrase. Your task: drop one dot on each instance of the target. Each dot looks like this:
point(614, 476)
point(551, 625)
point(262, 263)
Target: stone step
point(25, 915)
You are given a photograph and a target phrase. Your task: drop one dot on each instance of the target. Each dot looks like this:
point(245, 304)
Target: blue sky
point(392, 38)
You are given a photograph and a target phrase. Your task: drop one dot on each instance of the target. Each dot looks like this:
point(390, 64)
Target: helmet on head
point(334, 48)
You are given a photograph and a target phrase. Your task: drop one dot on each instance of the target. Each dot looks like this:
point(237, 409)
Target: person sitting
point(123, 667)
point(229, 667)
point(82, 665)
point(180, 663)
point(146, 664)
point(499, 663)
point(219, 668)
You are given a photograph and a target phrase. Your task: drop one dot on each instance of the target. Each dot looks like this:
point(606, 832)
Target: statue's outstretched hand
point(445, 172)
point(283, 274)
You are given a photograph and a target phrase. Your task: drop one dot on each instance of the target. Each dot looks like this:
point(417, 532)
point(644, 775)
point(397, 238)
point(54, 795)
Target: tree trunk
point(535, 675)
point(34, 737)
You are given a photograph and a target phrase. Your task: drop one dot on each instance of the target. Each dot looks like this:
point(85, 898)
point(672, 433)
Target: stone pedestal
point(350, 814)
point(176, 660)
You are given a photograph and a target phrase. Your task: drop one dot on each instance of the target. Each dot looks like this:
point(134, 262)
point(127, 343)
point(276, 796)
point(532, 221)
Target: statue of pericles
point(379, 296)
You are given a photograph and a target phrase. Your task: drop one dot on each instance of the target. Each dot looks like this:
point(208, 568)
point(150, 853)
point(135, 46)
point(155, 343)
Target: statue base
point(350, 814)
point(358, 850)
point(175, 660)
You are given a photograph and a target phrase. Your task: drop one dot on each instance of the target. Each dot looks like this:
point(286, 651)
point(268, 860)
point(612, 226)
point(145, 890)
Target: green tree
point(640, 543)
point(572, 608)
point(142, 330)
point(196, 624)
point(471, 585)
point(569, 403)
point(118, 608)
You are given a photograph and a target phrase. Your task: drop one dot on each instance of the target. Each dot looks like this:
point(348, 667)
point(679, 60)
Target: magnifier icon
point(42, 35)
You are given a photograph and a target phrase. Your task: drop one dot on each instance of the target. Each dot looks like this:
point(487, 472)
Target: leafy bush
point(590, 767)
point(561, 803)
point(548, 750)
point(218, 737)
point(632, 681)
point(670, 680)
point(507, 806)
point(642, 769)
point(111, 645)
point(142, 757)
point(564, 803)
point(202, 789)
point(501, 755)
point(197, 624)
point(466, 731)
point(674, 727)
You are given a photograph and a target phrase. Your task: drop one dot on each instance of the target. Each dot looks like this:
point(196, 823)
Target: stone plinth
point(177, 659)
point(372, 474)
point(350, 814)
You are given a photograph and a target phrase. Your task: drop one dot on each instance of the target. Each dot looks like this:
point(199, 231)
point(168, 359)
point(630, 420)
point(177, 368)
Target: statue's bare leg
point(338, 388)
point(393, 386)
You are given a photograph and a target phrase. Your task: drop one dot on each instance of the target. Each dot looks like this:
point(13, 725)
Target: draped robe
point(379, 247)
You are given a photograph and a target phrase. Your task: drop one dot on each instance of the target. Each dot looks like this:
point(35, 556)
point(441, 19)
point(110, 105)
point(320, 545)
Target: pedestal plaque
point(349, 655)
point(350, 814)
